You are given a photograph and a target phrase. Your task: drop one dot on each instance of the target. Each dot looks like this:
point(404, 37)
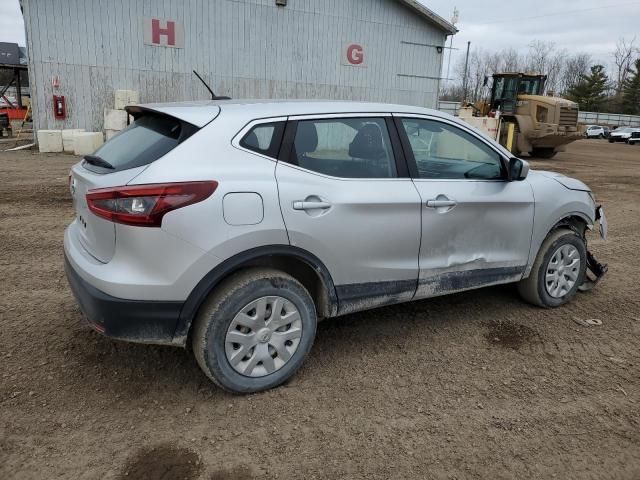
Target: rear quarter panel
point(209, 155)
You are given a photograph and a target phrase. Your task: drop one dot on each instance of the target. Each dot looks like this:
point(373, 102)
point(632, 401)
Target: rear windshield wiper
point(98, 161)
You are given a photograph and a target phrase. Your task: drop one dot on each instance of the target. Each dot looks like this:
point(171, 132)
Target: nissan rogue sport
point(231, 227)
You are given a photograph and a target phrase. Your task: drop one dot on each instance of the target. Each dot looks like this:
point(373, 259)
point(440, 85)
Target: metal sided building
point(372, 50)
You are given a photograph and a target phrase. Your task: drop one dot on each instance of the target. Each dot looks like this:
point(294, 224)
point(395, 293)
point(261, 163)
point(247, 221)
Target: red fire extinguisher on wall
point(59, 107)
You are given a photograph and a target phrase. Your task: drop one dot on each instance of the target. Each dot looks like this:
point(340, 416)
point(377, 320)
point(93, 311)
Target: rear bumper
point(139, 321)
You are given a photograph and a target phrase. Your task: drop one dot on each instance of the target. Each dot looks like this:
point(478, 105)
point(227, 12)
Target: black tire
point(221, 307)
point(545, 153)
point(601, 136)
point(611, 140)
point(533, 288)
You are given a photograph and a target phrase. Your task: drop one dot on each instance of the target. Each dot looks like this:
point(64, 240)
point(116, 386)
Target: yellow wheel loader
point(535, 124)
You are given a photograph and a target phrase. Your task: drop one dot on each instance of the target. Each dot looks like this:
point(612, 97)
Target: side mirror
point(518, 169)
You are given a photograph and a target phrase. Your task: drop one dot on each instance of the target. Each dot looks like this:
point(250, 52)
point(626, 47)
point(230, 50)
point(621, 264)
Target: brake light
point(145, 205)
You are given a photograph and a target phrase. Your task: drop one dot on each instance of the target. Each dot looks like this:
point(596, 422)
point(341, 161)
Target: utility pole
point(454, 20)
point(466, 67)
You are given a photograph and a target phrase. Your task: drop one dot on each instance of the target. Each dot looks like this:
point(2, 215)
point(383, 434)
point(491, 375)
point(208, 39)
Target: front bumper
point(141, 321)
point(596, 271)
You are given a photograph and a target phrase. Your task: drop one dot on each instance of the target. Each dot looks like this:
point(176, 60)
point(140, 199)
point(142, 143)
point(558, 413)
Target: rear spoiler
point(197, 114)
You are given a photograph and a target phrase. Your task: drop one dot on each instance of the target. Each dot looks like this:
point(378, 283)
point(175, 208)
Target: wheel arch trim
point(199, 294)
point(559, 222)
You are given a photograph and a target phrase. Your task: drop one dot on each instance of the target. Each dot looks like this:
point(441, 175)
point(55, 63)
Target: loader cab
point(507, 87)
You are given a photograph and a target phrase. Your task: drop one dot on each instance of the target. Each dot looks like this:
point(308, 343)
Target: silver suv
point(232, 227)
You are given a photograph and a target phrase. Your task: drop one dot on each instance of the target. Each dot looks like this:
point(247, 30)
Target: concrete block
point(50, 140)
point(115, 119)
point(67, 138)
point(109, 134)
point(86, 143)
point(125, 97)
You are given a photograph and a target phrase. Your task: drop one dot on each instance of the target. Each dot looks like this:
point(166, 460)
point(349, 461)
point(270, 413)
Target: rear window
point(147, 139)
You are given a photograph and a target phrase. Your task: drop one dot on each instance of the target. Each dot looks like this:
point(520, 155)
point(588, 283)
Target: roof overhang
point(10, 66)
point(448, 27)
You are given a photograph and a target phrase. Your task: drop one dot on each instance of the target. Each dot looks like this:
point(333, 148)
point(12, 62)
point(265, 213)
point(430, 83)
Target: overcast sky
point(592, 26)
point(11, 24)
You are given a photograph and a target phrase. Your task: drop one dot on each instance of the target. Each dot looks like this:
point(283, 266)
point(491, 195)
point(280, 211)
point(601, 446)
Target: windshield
point(530, 86)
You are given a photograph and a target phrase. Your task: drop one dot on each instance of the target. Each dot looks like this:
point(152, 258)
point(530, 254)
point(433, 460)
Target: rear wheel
point(558, 271)
point(543, 153)
point(601, 136)
point(254, 331)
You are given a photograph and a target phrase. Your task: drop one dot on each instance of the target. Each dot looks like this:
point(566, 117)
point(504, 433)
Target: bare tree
point(574, 67)
point(511, 60)
point(539, 55)
point(624, 56)
point(543, 58)
point(563, 70)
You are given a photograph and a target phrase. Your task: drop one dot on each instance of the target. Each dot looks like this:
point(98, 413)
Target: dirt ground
point(475, 385)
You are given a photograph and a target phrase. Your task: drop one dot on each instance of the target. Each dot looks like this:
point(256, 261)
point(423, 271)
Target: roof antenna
point(213, 95)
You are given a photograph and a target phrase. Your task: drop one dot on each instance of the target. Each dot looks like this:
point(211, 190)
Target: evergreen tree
point(590, 91)
point(631, 92)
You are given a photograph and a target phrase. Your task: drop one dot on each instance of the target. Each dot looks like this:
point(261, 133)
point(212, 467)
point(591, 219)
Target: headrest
point(368, 143)
point(306, 138)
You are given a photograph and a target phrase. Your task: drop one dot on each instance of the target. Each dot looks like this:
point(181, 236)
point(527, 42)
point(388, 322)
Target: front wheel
point(254, 331)
point(558, 271)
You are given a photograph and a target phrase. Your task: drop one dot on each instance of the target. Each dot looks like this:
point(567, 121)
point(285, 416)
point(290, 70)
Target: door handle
point(441, 203)
point(305, 205)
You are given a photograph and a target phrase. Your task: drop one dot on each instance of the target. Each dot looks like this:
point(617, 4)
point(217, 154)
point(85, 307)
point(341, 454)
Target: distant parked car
point(622, 134)
point(596, 131)
point(635, 137)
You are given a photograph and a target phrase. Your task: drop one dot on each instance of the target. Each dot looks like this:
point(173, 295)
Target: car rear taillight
point(145, 205)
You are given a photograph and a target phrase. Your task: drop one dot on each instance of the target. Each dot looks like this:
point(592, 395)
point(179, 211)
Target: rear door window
point(344, 147)
point(148, 138)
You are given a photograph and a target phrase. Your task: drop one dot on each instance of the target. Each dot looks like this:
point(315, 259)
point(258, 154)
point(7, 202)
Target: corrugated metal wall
point(244, 48)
